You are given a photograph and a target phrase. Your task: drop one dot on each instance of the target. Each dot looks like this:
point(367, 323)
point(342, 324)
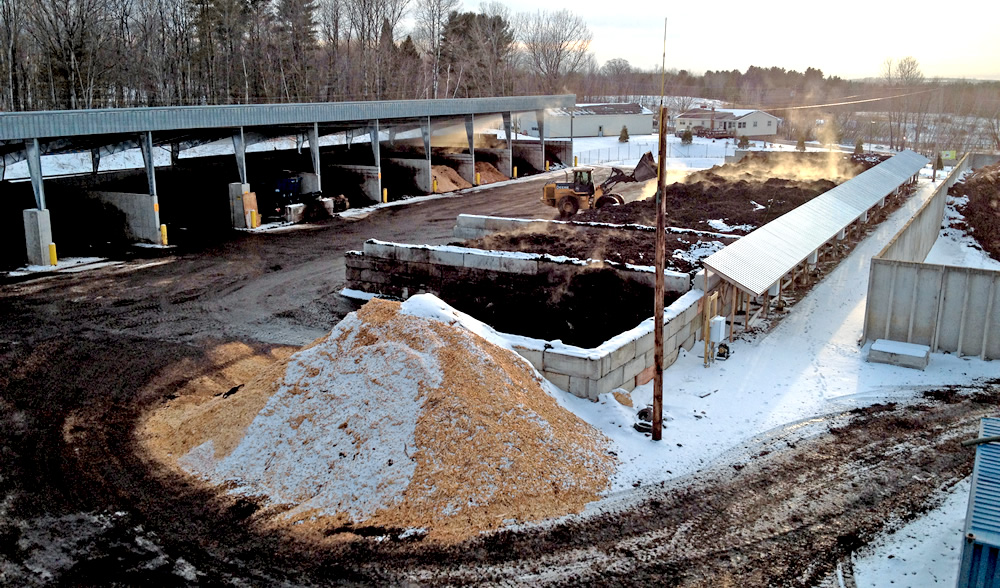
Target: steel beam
point(540, 117)
point(510, 150)
point(240, 148)
point(146, 145)
point(35, 169)
point(376, 151)
point(314, 153)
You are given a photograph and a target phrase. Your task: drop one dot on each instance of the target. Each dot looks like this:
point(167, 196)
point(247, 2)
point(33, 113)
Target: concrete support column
point(237, 210)
point(240, 147)
point(510, 150)
point(95, 160)
point(37, 235)
point(34, 153)
point(314, 154)
point(842, 234)
point(175, 154)
point(377, 152)
point(813, 259)
point(864, 217)
point(146, 144)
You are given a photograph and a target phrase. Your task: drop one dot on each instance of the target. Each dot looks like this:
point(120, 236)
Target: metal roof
point(73, 123)
point(983, 518)
point(758, 260)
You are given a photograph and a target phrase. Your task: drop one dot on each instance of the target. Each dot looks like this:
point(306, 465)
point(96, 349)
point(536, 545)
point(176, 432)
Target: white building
point(743, 122)
point(590, 120)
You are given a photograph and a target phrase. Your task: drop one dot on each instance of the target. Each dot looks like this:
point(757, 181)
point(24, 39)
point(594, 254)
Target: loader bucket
point(645, 169)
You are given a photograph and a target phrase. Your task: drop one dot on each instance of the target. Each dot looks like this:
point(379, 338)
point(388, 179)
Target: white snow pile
point(407, 417)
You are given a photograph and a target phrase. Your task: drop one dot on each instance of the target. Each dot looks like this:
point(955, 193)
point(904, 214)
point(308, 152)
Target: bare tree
point(367, 20)
point(555, 44)
point(431, 18)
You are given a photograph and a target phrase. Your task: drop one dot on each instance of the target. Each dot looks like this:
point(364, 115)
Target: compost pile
point(448, 179)
point(489, 174)
point(746, 195)
point(982, 213)
point(684, 249)
point(399, 422)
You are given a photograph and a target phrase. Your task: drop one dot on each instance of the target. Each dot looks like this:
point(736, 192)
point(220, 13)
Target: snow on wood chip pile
point(448, 179)
point(403, 418)
point(489, 174)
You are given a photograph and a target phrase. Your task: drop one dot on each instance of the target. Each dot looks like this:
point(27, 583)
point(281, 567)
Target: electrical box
point(717, 329)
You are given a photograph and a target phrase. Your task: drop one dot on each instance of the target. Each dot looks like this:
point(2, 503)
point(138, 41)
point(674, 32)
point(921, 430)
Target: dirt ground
point(84, 355)
point(982, 213)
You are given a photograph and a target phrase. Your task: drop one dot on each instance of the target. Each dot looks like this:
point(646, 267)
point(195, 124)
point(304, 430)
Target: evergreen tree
point(939, 163)
point(801, 144)
point(859, 147)
point(686, 138)
point(623, 136)
point(744, 142)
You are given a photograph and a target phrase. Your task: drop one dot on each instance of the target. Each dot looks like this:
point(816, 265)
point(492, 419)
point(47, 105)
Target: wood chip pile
point(394, 421)
point(448, 179)
point(488, 173)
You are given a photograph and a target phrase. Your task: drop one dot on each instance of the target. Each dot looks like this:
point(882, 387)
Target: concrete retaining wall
point(371, 180)
point(401, 271)
point(421, 171)
point(140, 216)
point(947, 308)
point(463, 164)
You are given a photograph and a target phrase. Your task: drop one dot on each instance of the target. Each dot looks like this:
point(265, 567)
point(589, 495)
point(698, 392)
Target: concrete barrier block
point(468, 233)
point(688, 343)
point(561, 381)
point(670, 356)
point(645, 343)
point(622, 355)
point(374, 277)
point(413, 254)
point(572, 366)
point(482, 262)
point(380, 250)
point(633, 368)
point(512, 265)
point(534, 356)
point(454, 258)
point(353, 274)
point(581, 387)
point(898, 353)
point(608, 382)
point(471, 221)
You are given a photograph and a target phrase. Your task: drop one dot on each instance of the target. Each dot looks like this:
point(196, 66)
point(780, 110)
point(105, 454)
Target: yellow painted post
point(546, 165)
point(163, 234)
point(385, 194)
point(53, 260)
point(478, 179)
point(434, 187)
point(515, 172)
point(253, 219)
point(576, 160)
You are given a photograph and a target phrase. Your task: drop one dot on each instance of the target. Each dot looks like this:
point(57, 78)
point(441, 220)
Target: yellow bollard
point(478, 179)
point(576, 160)
point(385, 194)
point(52, 254)
point(515, 172)
point(163, 234)
point(253, 219)
point(546, 166)
point(434, 187)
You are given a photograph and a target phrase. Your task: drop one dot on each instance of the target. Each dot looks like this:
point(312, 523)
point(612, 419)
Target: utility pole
point(661, 258)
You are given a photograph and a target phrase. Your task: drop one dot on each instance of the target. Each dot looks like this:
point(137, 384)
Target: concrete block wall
point(140, 215)
point(421, 169)
point(464, 164)
point(530, 151)
point(504, 161)
point(371, 180)
point(404, 270)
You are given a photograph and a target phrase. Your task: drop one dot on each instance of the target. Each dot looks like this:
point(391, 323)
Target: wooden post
point(661, 259)
point(732, 321)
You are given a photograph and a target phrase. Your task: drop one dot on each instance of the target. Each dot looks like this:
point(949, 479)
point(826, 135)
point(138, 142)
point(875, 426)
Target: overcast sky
point(851, 39)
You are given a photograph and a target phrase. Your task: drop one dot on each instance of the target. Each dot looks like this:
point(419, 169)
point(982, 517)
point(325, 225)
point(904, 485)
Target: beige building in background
point(590, 120)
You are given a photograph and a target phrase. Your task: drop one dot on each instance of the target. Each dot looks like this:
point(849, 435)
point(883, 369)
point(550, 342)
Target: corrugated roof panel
point(983, 519)
point(72, 123)
point(760, 259)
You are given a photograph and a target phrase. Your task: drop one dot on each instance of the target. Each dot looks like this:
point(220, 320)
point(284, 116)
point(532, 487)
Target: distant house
point(745, 122)
point(590, 120)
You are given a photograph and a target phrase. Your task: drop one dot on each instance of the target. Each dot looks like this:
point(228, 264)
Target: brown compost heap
point(398, 420)
point(448, 179)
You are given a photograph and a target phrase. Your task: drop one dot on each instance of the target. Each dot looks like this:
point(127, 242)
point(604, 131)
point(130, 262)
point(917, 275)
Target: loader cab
point(583, 181)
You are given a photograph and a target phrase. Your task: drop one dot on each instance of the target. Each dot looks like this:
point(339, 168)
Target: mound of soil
point(402, 422)
point(489, 174)
point(982, 213)
point(448, 179)
point(749, 204)
point(760, 166)
point(684, 250)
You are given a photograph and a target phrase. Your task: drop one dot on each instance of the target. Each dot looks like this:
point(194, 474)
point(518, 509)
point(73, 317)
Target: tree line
point(70, 54)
